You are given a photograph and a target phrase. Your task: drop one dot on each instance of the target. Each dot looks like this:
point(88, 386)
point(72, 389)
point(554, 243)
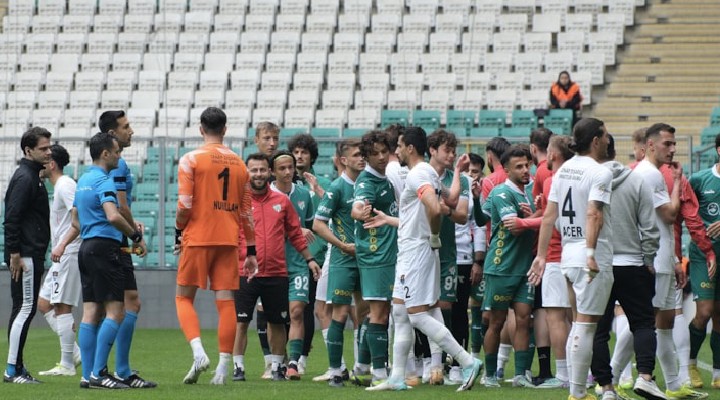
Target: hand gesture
point(314, 269)
point(250, 266)
point(308, 235)
point(680, 276)
point(537, 268)
point(17, 267)
point(57, 253)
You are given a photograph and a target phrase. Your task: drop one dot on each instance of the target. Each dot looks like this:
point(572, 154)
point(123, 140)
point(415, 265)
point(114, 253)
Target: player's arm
point(69, 237)
point(459, 214)
point(546, 228)
point(647, 225)
point(481, 219)
point(118, 221)
point(123, 207)
point(186, 188)
point(246, 215)
point(668, 212)
point(361, 210)
point(433, 211)
point(320, 226)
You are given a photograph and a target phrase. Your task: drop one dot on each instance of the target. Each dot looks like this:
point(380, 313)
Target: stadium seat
point(524, 118)
point(560, 118)
point(491, 119)
point(516, 132)
point(484, 133)
point(429, 120)
point(389, 117)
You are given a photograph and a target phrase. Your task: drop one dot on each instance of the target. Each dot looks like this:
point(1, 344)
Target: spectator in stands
point(565, 95)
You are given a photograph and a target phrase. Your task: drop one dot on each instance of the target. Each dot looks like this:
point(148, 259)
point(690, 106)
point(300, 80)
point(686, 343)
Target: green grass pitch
point(163, 355)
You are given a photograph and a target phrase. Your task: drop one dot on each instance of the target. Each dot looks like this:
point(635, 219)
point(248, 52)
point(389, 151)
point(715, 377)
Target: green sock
point(490, 364)
point(377, 339)
point(531, 349)
point(363, 347)
point(476, 332)
point(697, 337)
point(335, 343)
point(523, 361)
point(715, 347)
point(295, 349)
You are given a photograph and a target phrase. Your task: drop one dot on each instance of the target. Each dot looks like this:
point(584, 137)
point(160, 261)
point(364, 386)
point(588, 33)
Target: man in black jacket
point(27, 234)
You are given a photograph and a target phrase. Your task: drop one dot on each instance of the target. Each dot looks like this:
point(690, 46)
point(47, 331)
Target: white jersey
point(665, 258)
point(579, 181)
point(60, 217)
point(465, 233)
point(397, 175)
point(414, 227)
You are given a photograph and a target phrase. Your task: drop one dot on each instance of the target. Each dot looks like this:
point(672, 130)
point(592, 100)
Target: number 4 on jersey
point(567, 207)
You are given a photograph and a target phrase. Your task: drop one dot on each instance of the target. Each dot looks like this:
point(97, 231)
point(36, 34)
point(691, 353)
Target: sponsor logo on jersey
point(710, 191)
point(713, 209)
point(383, 193)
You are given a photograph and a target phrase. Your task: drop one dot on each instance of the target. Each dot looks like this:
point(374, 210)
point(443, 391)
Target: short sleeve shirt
point(302, 203)
point(60, 216)
point(448, 251)
point(95, 188)
point(123, 179)
point(375, 247)
point(336, 205)
point(665, 259)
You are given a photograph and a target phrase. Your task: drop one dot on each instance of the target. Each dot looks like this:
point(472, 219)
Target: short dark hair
point(305, 142)
point(561, 143)
point(440, 137)
point(540, 137)
point(279, 154)
point(368, 140)
point(213, 120)
point(100, 142)
point(717, 140)
point(639, 136)
point(266, 126)
point(477, 159)
point(497, 145)
point(32, 136)
point(60, 156)
point(515, 150)
point(655, 129)
point(345, 145)
point(584, 132)
point(108, 120)
point(611, 153)
point(257, 157)
point(394, 131)
point(415, 136)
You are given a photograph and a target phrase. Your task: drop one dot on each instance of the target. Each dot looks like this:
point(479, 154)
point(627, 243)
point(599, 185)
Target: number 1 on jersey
point(225, 176)
point(567, 207)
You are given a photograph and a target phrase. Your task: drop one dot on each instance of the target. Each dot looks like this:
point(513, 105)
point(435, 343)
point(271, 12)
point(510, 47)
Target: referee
point(27, 234)
point(101, 271)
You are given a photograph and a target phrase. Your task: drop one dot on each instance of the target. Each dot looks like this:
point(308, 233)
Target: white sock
point(503, 355)
point(624, 349)
point(627, 373)
point(435, 349)
point(197, 348)
point(356, 350)
point(51, 320)
point(277, 360)
point(268, 360)
point(568, 347)
point(716, 373)
point(681, 337)
point(239, 361)
point(441, 335)
point(402, 343)
point(76, 351)
point(561, 370)
point(668, 358)
point(67, 339)
point(410, 370)
point(302, 360)
point(222, 367)
point(581, 352)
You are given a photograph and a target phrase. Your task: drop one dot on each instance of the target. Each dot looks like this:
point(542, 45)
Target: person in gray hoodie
point(635, 241)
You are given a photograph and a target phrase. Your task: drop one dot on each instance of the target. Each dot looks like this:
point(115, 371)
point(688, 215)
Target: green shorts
point(502, 291)
point(342, 282)
point(376, 283)
point(703, 287)
point(299, 286)
point(477, 292)
point(448, 282)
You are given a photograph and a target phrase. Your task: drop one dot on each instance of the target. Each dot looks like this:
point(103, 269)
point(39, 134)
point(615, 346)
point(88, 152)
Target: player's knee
point(297, 313)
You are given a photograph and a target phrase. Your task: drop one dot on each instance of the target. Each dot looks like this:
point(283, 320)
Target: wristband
point(590, 252)
point(136, 237)
point(311, 259)
point(178, 234)
point(251, 251)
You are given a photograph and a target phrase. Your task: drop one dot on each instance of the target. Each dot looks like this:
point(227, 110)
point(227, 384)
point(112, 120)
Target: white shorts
point(322, 283)
point(417, 277)
point(664, 292)
point(679, 296)
point(554, 287)
point(62, 282)
point(591, 298)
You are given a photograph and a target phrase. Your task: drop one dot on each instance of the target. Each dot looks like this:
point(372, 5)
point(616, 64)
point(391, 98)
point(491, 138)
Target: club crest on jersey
point(402, 279)
point(713, 209)
point(277, 207)
point(301, 204)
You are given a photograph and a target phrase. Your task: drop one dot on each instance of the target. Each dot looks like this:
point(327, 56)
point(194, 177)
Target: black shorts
point(101, 271)
point(129, 282)
point(273, 291)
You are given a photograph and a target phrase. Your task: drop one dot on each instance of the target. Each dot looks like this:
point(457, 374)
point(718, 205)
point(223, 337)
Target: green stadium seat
point(486, 133)
point(326, 151)
point(355, 132)
point(429, 120)
point(249, 149)
point(715, 117)
point(325, 132)
point(558, 117)
point(151, 172)
point(491, 119)
point(325, 168)
point(287, 133)
point(171, 192)
point(460, 119)
point(459, 132)
point(708, 134)
point(146, 209)
point(557, 129)
point(524, 118)
point(146, 191)
point(389, 117)
point(516, 132)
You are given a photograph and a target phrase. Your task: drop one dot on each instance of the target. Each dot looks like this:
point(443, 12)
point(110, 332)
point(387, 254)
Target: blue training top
point(123, 179)
point(94, 188)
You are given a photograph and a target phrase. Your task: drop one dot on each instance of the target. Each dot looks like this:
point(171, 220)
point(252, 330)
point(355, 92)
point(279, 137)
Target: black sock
point(422, 345)
point(309, 318)
point(262, 332)
point(544, 362)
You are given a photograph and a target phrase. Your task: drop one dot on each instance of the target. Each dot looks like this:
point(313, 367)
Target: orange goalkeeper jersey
point(214, 189)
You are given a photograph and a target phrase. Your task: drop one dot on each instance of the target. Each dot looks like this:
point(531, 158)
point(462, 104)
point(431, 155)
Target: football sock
point(402, 343)
point(491, 364)
point(122, 344)
point(295, 349)
point(226, 325)
point(561, 371)
point(697, 337)
point(51, 320)
point(476, 332)
point(523, 360)
point(364, 356)
point(105, 339)
point(715, 347)
point(335, 343)
point(438, 333)
point(187, 317)
point(668, 358)
point(87, 338)
point(67, 339)
point(261, 324)
point(222, 367)
point(309, 324)
point(681, 337)
point(543, 354)
point(581, 343)
point(377, 338)
point(239, 361)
